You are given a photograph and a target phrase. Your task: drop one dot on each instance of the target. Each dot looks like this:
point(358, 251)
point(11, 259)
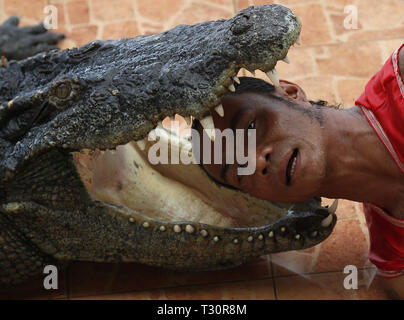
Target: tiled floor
point(333, 64)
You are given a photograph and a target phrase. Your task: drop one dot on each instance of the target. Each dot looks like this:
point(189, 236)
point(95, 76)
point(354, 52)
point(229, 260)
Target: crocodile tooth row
point(207, 122)
point(190, 229)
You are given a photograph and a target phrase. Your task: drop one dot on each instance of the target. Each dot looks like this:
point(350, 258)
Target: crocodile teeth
point(299, 41)
point(209, 126)
point(273, 76)
point(327, 221)
point(188, 120)
point(286, 60)
point(236, 79)
point(219, 109)
point(152, 135)
point(189, 229)
point(253, 73)
point(207, 123)
point(141, 144)
point(333, 208)
point(232, 88)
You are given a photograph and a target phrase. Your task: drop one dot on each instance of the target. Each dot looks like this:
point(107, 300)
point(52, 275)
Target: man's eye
point(251, 125)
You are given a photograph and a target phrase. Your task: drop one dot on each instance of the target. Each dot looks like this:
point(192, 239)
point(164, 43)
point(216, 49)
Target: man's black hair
point(248, 84)
point(256, 85)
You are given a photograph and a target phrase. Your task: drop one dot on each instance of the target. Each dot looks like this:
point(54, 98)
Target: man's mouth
point(291, 167)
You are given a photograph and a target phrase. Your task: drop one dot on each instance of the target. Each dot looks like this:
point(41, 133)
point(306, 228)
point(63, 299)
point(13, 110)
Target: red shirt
point(383, 106)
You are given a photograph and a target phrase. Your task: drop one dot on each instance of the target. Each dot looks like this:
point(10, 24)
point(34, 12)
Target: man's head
point(290, 159)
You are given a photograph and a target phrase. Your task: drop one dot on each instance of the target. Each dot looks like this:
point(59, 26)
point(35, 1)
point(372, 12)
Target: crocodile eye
point(64, 93)
point(63, 90)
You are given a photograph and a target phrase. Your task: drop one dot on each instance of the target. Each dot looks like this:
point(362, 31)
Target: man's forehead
point(236, 105)
point(244, 99)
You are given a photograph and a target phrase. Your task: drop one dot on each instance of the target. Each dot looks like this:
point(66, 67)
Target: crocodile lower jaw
point(167, 193)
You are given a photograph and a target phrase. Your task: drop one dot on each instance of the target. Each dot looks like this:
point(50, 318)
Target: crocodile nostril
point(241, 24)
point(265, 171)
point(267, 157)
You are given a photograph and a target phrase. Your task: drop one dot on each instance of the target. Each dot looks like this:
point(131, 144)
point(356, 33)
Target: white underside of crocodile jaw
point(168, 192)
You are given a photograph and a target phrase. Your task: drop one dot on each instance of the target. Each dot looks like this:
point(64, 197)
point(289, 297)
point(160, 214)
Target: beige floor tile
point(120, 29)
point(347, 245)
point(159, 11)
point(78, 11)
point(376, 15)
point(83, 34)
point(200, 11)
point(246, 290)
point(314, 24)
point(105, 10)
point(20, 8)
point(318, 88)
point(349, 90)
point(102, 278)
point(362, 59)
point(326, 286)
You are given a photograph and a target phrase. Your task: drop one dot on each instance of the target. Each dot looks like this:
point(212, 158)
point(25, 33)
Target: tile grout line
point(136, 17)
point(187, 4)
point(320, 272)
point(235, 6)
point(273, 279)
point(66, 17)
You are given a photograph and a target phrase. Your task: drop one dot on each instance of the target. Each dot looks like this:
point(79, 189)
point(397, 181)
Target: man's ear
point(292, 91)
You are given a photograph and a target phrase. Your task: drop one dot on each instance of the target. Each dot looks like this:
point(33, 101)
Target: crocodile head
point(77, 187)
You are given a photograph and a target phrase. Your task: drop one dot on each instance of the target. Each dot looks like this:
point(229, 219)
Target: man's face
point(290, 162)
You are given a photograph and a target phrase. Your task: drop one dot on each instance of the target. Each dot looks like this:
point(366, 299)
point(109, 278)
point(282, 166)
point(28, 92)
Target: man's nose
point(263, 161)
